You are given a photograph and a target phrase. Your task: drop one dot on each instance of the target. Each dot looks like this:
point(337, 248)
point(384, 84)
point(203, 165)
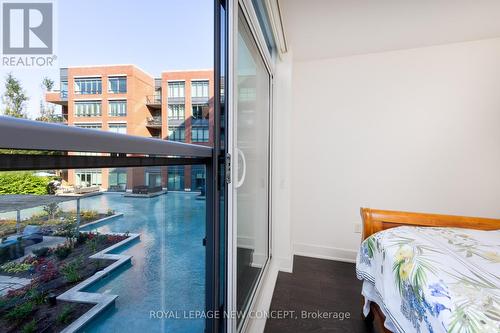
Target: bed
point(429, 272)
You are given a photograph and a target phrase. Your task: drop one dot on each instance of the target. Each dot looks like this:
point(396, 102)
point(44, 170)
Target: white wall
point(282, 186)
point(415, 130)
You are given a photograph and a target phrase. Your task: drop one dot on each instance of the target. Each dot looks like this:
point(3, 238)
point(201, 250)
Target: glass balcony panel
point(251, 155)
point(142, 227)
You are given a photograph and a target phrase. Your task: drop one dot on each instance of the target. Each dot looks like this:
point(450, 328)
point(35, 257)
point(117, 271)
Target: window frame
point(205, 133)
point(173, 129)
point(117, 125)
point(175, 86)
point(200, 86)
point(115, 101)
point(118, 78)
point(87, 113)
point(88, 82)
point(179, 174)
point(198, 114)
point(173, 114)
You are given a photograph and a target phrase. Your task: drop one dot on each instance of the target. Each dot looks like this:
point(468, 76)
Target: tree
point(47, 83)
point(14, 98)
point(47, 111)
point(51, 209)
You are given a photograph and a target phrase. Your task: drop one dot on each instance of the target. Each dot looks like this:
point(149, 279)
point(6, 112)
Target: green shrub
point(62, 251)
point(69, 231)
point(36, 296)
point(51, 209)
point(22, 183)
point(29, 327)
point(64, 316)
point(41, 252)
point(20, 312)
point(89, 215)
point(92, 244)
point(71, 271)
point(15, 267)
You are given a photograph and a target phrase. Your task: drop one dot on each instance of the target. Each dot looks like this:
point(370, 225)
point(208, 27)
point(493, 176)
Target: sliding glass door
point(251, 163)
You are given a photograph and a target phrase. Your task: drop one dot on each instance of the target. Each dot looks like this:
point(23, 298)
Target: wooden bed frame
point(375, 220)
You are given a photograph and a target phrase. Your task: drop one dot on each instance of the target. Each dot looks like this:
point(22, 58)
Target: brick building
point(177, 106)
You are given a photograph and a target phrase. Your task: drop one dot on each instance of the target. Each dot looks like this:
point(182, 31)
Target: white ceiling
point(318, 29)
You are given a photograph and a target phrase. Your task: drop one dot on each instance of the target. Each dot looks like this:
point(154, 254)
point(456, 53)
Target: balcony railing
point(57, 97)
point(74, 227)
point(153, 100)
point(153, 121)
point(89, 92)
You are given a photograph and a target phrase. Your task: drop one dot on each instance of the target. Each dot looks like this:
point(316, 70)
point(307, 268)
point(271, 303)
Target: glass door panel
point(251, 161)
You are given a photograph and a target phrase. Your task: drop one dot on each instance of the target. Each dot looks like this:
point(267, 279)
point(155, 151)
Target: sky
point(156, 35)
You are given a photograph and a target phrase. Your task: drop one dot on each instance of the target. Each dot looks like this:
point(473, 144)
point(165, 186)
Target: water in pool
point(168, 265)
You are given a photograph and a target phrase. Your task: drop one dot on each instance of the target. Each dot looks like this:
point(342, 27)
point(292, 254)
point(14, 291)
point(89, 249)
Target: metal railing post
point(18, 221)
point(77, 216)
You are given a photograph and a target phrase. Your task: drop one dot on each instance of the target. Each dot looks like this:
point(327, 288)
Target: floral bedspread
point(433, 279)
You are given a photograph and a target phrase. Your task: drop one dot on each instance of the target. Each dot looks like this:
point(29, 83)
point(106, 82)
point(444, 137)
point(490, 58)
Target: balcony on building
point(154, 101)
point(153, 122)
point(60, 96)
point(200, 100)
point(57, 97)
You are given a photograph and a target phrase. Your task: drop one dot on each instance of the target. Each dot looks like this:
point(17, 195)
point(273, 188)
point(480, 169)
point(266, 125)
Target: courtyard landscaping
point(51, 271)
point(52, 220)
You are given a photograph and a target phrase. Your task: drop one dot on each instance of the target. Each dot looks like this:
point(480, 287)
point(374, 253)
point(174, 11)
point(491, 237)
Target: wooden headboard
point(375, 220)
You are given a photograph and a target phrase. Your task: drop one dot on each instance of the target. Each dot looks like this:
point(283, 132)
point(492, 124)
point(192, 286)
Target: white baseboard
point(285, 264)
point(324, 252)
point(258, 260)
point(263, 299)
point(246, 242)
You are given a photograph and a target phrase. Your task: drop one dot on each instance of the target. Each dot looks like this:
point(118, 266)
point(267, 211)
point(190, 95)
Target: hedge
point(23, 183)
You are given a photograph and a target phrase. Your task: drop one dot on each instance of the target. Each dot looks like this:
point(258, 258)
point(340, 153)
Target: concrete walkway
point(8, 283)
point(48, 241)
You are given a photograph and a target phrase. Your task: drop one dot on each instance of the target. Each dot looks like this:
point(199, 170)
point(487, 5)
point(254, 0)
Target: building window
point(87, 178)
point(200, 111)
point(117, 108)
point(197, 178)
point(117, 180)
point(176, 133)
point(176, 89)
point(90, 125)
point(199, 89)
point(175, 178)
point(176, 111)
point(118, 128)
point(117, 85)
point(152, 177)
point(199, 134)
point(64, 89)
point(88, 86)
point(88, 109)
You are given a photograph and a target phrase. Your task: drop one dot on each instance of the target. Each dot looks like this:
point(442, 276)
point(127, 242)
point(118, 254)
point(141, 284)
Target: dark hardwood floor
point(318, 285)
point(247, 275)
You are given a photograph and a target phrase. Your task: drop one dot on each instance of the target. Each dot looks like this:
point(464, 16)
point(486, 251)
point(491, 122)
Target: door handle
point(244, 167)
